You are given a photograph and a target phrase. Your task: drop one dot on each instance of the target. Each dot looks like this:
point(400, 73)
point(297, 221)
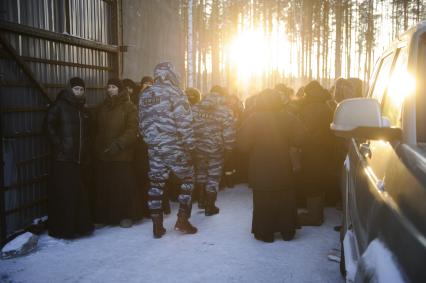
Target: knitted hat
point(115, 82)
point(76, 81)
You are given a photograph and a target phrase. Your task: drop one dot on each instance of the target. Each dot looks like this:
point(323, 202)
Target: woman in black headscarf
point(116, 135)
point(68, 131)
point(317, 151)
point(267, 135)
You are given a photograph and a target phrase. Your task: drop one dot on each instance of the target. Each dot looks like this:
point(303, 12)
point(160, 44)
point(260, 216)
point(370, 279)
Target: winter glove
point(113, 149)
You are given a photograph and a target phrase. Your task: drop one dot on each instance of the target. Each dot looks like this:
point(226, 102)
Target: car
point(384, 174)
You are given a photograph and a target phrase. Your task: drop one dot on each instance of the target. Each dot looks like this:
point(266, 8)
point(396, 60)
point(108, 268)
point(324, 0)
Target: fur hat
point(115, 82)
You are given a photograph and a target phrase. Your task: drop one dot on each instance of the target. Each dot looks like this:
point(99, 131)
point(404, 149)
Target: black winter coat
point(117, 128)
point(317, 147)
point(267, 135)
point(68, 128)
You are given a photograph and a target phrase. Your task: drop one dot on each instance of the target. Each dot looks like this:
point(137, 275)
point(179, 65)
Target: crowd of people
point(150, 142)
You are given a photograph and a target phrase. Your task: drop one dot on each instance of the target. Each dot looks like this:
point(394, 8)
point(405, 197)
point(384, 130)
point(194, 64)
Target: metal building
point(152, 32)
point(43, 44)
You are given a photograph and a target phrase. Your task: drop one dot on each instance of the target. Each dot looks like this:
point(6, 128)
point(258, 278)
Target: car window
point(382, 78)
point(400, 85)
point(421, 93)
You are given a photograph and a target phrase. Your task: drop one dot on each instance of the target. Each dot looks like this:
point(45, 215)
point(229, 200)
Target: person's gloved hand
point(113, 149)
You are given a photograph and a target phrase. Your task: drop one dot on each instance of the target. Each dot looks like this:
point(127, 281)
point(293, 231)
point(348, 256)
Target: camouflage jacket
point(165, 117)
point(236, 106)
point(214, 126)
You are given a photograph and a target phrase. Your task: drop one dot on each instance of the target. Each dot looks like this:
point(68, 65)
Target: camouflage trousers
point(161, 163)
point(209, 170)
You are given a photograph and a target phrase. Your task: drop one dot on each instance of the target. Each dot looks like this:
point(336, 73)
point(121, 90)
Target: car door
point(402, 213)
point(367, 160)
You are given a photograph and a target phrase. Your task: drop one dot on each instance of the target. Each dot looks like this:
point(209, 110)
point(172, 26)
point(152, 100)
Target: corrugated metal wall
point(153, 33)
point(46, 41)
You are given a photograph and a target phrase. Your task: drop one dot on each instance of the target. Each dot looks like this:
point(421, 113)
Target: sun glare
point(401, 85)
point(248, 54)
point(254, 54)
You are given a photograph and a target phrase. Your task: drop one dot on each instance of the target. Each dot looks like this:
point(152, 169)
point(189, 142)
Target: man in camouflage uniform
point(165, 122)
point(214, 131)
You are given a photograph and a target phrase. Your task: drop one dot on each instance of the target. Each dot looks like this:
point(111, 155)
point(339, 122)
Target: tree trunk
point(189, 59)
point(338, 50)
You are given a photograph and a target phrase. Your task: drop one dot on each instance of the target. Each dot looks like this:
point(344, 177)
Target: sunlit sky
point(252, 53)
point(255, 55)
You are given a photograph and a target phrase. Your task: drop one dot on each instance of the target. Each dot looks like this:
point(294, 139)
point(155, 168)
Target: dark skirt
point(273, 211)
point(69, 213)
point(115, 192)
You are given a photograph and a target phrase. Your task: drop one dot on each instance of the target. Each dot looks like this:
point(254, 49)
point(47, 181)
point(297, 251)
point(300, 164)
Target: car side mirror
point(362, 118)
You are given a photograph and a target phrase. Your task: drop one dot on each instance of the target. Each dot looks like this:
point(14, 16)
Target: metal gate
point(43, 44)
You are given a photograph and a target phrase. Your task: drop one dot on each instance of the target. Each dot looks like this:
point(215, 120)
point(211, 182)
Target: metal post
point(3, 228)
point(116, 36)
point(67, 17)
point(189, 53)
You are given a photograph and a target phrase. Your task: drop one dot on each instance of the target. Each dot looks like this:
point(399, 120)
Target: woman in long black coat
point(317, 151)
point(116, 135)
point(68, 131)
point(267, 135)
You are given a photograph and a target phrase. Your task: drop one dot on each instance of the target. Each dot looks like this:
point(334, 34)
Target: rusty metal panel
point(24, 146)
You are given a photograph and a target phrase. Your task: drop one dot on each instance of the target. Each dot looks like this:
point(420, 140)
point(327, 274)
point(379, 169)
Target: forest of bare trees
point(324, 39)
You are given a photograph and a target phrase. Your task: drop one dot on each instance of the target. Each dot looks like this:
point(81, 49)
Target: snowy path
point(224, 250)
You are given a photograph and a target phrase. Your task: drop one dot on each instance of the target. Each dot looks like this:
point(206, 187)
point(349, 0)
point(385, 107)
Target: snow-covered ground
point(223, 250)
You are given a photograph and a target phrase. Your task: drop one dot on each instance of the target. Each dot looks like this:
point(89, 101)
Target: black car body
point(384, 175)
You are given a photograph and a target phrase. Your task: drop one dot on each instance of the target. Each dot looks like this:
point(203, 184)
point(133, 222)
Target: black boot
point(157, 227)
point(211, 208)
point(201, 197)
point(288, 235)
point(182, 223)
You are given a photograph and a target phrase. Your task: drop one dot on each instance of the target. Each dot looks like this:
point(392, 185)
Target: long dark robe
point(115, 192)
point(267, 136)
point(67, 124)
point(69, 213)
point(273, 211)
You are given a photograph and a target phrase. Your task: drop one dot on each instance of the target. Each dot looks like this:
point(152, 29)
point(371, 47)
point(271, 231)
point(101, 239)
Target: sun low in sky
point(253, 54)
